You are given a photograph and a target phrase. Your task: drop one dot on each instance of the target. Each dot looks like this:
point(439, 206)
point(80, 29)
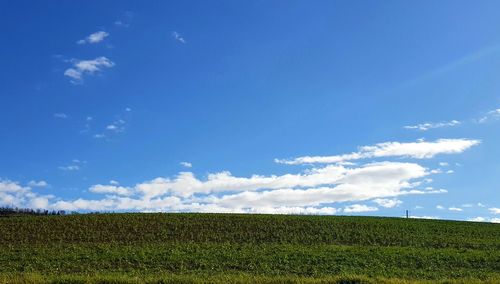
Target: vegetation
point(208, 248)
point(10, 212)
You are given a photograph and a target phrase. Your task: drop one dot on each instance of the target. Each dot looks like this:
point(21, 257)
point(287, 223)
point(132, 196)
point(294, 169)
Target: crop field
point(212, 248)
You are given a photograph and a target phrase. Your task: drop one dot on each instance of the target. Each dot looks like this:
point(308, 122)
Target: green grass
point(211, 248)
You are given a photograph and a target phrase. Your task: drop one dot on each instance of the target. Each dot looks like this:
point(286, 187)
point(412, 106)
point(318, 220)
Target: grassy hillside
point(245, 248)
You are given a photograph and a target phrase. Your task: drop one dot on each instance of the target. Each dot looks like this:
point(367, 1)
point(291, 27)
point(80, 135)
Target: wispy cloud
point(75, 165)
point(459, 62)
point(87, 67)
point(120, 23)
point(112, 127)
point(60, 115)
point(388, 203)
point(186, 164)
point(359, 208)
point(485, 117)
point(417, 150)
point(431, 125)
point(490, 115)
point(87, 124)
point(495, 210)
point(178, 37)
point(94, 38)
point(41, 183)
point(125, 20)
point(115, 127)
point(70, 168)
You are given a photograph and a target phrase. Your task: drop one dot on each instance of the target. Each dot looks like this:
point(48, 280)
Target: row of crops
point(222, 228)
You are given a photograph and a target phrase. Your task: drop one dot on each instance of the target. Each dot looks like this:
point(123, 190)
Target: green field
point(209, 248)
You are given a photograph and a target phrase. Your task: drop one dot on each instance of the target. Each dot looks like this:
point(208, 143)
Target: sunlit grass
point(217, 248)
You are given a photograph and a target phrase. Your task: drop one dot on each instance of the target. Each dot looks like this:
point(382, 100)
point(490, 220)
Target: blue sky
point(331, 107)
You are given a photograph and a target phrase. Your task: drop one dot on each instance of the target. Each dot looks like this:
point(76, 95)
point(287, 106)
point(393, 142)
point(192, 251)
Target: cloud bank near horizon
point(330, 189)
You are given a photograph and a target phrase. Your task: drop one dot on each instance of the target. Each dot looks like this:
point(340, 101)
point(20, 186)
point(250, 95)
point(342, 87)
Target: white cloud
point(186, 164)
point(358, 208)
point(388, 203)
point(40, 183)
point(82, 204)
point(74, 74)
point(94, 65)
point(87, 126)
point(480, 204)
point(296, 210)
point(94, 38)
point(483, 219)
point(39, 203)
point(178, 37)
point(477, 219)
point(417, 150)
point(60, 115)
point(15, 195)
point(440, 207)
point(115, 127)
point(444, 164)
point(120, 23)
point(431, 125)
point(455, 209)
point(425, 217)
point(311, 192)
point(382, 176)
point(75, 165)
point(70, 168)
point(316, 190)
point(110, 189)
point(87, 67)
point(486, 117)
point(495, 210)
point(491, 115)
point(7, 186)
